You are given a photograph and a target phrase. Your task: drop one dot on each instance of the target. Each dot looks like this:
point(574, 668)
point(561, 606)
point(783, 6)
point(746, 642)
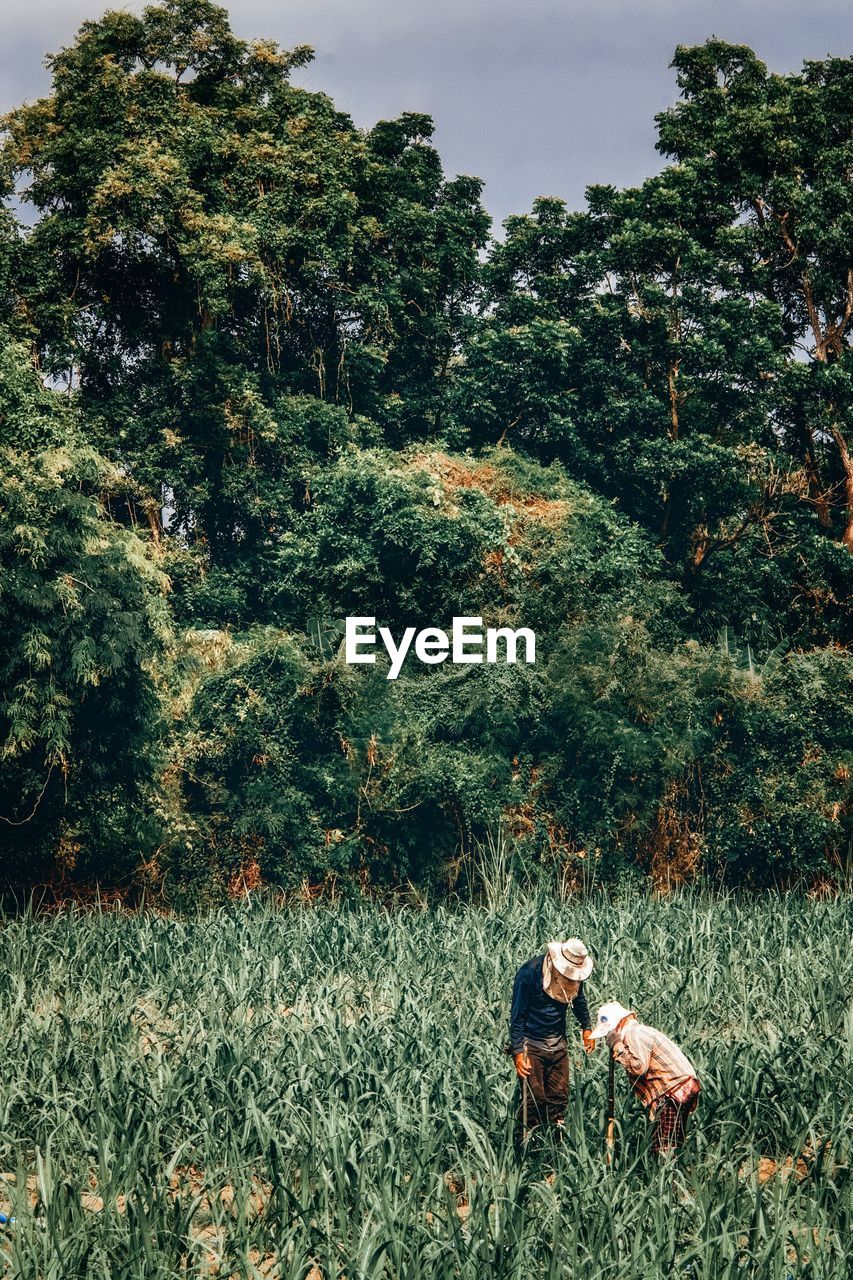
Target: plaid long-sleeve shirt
point(655, 1065)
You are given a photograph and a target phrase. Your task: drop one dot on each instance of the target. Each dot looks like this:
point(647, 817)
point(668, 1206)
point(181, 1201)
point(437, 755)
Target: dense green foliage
point(269, 1092)
point(273, 362)
point(82, 622)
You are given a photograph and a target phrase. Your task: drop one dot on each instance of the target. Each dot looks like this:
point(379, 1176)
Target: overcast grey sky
point(535, 96)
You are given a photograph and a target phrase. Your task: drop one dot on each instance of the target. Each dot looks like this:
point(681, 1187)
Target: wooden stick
point(524, 1099)
point(610, 1134)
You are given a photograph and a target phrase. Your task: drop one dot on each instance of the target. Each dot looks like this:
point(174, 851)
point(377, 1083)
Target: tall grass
point(321, 1091)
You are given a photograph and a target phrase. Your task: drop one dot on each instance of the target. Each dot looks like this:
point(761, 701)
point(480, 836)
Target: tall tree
point(777, 150)
point(650, 343)
point(211, 237)
point(620, 342)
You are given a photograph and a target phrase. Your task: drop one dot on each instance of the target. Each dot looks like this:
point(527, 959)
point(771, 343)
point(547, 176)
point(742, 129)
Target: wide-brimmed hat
point(608, 1018)
point(571, 959)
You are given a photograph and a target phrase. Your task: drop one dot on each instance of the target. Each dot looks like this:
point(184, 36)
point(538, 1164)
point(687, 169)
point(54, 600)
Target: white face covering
point(557, 986)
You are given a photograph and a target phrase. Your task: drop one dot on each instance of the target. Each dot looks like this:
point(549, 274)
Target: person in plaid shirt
point(661, 1076)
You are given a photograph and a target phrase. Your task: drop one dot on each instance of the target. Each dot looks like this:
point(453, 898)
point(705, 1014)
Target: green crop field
point(322, 1092)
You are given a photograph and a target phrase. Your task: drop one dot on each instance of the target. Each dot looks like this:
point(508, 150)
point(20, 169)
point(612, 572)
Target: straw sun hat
point(571, 959)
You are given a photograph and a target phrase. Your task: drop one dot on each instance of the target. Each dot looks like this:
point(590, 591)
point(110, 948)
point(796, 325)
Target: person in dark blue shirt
point(544, 988)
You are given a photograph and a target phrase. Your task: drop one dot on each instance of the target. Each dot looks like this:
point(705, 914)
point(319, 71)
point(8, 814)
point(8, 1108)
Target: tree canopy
point(262, 369)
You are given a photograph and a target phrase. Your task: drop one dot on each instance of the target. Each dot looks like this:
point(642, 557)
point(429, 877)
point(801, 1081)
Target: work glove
point(523, 1065)
point(588, 1042)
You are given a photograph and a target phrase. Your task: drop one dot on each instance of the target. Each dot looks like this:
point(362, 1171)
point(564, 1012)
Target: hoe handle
point(524, 1098)
point(610, 1133)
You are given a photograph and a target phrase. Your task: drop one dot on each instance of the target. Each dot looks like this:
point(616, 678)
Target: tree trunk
point(152, 515)
point(847, 464)
point(817, 493)
point(826, 340)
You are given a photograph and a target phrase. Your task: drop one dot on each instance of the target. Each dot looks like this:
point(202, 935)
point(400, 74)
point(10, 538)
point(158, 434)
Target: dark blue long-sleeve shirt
point(534, 1015)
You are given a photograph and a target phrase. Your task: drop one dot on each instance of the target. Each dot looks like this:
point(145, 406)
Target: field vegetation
point(321, 1092)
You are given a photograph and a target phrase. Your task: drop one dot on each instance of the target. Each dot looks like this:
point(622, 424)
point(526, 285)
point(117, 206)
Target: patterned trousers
point(671, 1120)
